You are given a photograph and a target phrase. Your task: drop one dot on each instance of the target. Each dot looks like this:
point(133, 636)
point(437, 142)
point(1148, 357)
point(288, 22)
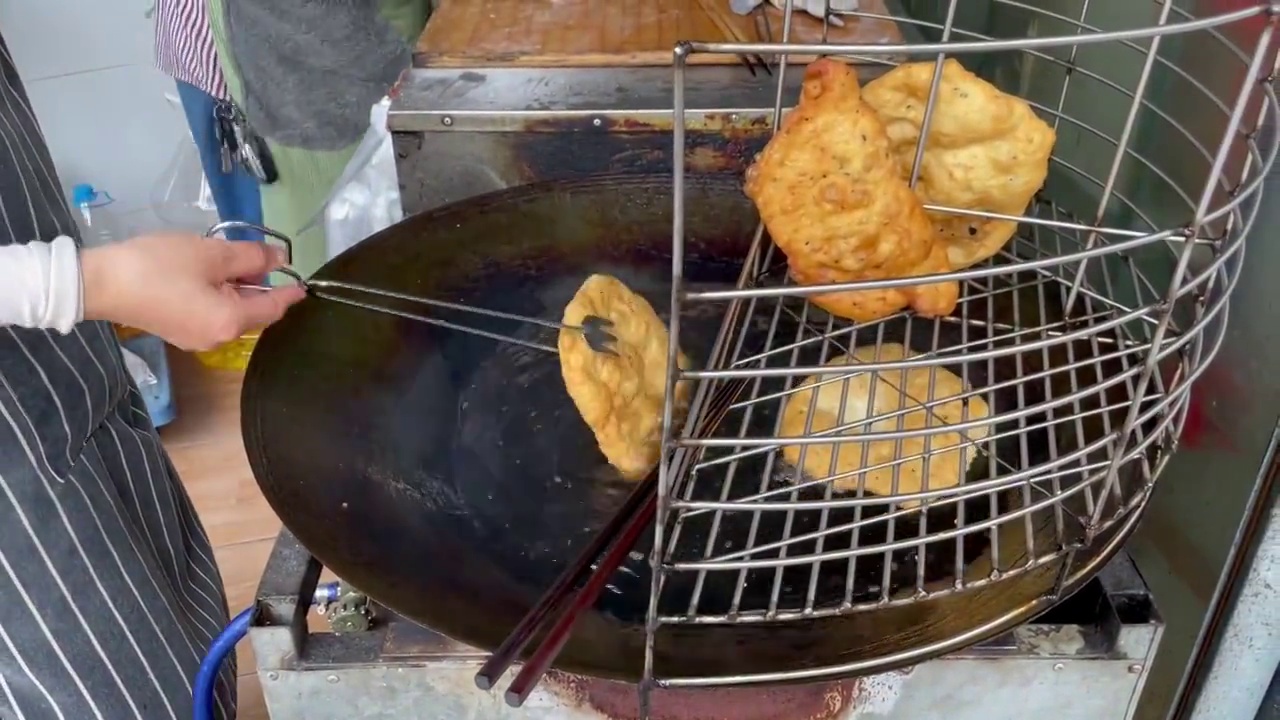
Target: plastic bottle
point(145, 358)
point(98, 223)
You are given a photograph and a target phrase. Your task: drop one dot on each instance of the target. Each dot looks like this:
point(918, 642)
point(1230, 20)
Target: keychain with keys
point(224, 131)
point(252, 151)
point(239, 146)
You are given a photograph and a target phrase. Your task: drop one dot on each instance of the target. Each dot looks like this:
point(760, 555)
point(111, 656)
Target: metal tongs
point(594, 329)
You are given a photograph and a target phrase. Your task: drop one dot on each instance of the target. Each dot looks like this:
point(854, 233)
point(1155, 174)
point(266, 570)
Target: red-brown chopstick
point(538, 664)
point(509, 651)
point(564, 598)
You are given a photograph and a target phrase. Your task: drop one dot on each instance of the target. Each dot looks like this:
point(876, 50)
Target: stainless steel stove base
point(1087, 659)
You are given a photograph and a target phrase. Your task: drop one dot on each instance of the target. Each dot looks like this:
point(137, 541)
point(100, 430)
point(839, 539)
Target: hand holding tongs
point(594, 329)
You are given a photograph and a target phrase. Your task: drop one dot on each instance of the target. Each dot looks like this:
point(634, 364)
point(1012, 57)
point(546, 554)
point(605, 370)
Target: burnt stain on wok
point(572, 147)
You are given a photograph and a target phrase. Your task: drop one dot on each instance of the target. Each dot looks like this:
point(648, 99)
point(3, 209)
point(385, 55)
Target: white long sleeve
point(40, 285)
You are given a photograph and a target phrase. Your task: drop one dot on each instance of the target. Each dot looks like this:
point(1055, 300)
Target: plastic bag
point(366, 197)
point(181, 197)
point(816, 8)
point(138, 369)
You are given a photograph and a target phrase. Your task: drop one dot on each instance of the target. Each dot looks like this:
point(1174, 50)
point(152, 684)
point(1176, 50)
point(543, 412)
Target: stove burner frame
point(1103, 638)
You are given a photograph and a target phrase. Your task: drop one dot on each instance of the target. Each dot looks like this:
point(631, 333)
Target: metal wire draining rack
point(1083, 336)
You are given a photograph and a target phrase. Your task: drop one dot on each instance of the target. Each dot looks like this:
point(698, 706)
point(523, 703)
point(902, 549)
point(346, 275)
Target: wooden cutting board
point(603, 33)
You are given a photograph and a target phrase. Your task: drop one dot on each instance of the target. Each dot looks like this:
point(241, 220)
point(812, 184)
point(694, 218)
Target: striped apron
point(108, 590)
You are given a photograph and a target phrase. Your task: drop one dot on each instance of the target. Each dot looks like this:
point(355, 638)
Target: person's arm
point(40, 285)
point(176, 286)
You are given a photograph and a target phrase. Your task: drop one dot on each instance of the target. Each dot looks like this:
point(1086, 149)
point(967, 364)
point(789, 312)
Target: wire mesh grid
point(1075, 347)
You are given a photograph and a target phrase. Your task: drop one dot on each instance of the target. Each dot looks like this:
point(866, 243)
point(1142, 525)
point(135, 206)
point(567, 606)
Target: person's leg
point(235, 193)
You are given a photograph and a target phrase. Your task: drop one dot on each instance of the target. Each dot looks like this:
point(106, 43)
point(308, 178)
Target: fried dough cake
point(828, 188)
point(986, 151)
point(933, 300)
point(894, 390)
point(620, 396)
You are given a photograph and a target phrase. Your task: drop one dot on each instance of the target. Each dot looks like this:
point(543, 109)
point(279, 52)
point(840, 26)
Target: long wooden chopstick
point(564, 598)
point(538, 664)
point(509, 651)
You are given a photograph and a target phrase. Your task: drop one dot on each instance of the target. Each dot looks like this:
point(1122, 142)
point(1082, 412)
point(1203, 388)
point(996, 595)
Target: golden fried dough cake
point(620, 396)
point(856, 305)
point(828, 189)
point(986, 151)
point(933, 300)
point(894, 390)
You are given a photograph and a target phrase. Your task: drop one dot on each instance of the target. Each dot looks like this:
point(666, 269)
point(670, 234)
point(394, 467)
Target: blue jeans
point(235, 193)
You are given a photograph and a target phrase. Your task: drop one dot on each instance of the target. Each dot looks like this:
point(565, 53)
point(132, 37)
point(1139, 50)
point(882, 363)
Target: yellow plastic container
point(230, 356)
point(124, 332)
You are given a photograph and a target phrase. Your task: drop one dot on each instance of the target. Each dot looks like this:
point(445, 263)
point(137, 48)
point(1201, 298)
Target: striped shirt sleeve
point(184, 45)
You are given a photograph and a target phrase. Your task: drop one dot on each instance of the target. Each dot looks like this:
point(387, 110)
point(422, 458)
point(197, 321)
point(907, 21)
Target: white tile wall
point(87, 65)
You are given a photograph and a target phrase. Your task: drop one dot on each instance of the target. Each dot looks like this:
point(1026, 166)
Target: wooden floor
point(206, 447)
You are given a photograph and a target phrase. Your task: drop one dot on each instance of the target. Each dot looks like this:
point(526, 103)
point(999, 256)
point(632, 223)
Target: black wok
point(450, 478)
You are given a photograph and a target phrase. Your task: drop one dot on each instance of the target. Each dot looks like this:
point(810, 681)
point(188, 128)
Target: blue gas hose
point(207, 678)
point(202, 694)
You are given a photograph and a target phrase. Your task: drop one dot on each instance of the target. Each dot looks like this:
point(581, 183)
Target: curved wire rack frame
point(1085, 359)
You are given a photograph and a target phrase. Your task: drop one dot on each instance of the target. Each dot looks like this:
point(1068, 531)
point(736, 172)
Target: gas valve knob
point(350, 613)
